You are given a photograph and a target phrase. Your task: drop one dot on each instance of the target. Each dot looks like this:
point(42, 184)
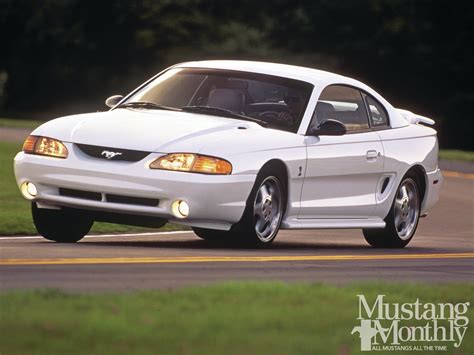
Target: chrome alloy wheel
point(406, 209)
point(267, 209)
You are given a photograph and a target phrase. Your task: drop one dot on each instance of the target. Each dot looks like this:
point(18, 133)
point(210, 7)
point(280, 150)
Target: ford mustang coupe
point(237, 150)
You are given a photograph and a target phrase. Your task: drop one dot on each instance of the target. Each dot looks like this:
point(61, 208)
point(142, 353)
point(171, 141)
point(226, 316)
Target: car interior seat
point(228, 99)
point(324, 111)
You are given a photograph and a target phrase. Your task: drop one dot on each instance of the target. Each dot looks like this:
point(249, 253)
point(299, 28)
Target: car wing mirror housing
point(113, 100)
point(329, 128)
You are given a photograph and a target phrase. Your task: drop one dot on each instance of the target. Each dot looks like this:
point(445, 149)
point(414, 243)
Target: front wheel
point(402, 220)
point(262, 217)
point(62, 226)
point(211, 234)
point(264, 212)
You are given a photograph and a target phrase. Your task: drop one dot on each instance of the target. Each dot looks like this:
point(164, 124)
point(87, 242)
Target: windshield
point(280, 102)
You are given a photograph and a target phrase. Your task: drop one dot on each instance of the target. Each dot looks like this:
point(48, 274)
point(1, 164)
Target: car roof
point(285, 70)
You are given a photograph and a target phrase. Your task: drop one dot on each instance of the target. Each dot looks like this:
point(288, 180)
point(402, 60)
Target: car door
point(342, 172)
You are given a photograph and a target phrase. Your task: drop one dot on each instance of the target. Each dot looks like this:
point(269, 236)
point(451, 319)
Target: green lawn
point(15, 215)
point(232, 318)
point(17, 123)
point(452, 154)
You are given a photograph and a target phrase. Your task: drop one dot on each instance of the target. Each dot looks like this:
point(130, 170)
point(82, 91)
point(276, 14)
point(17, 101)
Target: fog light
point(29, 191)
point(180, 209)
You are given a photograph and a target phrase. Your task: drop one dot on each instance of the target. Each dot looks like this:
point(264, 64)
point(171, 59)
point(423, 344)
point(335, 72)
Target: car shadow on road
point(197, 244)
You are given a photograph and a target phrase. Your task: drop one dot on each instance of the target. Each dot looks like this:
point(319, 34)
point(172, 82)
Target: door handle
point(372, 155)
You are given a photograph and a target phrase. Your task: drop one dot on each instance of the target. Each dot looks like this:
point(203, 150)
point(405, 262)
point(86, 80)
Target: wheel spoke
point(399, 203)
point(401, 228)
point(397, 219)
point(258, 225)
point(264, 191)
point(404, 193)
point(271, 191)
point(265, 230)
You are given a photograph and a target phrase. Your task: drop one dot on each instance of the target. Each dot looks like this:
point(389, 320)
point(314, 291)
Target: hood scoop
point(109, 153)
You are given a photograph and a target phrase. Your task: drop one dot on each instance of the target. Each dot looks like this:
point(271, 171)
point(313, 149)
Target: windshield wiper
point(217, 111)
point(149, 105)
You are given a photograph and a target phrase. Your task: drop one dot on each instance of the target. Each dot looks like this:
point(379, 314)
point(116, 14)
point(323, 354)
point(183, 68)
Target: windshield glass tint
point(280, 102)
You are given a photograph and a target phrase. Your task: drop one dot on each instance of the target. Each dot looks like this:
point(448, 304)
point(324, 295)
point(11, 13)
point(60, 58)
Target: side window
point(344, 104)
point(378, 115)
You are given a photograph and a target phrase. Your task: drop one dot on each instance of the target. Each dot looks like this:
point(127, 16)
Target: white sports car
point(236, 150)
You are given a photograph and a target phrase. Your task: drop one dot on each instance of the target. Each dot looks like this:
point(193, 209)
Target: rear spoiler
point(413, 118)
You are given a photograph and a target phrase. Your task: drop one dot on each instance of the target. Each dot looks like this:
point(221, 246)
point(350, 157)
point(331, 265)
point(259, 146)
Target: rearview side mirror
point(329, 128)
point(113, 100)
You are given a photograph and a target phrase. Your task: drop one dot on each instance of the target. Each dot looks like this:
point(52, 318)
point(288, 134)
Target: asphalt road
point(442, 251)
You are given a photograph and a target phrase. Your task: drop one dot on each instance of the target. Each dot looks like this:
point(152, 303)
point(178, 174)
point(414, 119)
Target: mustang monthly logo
point(405, 326)
point(109, 155)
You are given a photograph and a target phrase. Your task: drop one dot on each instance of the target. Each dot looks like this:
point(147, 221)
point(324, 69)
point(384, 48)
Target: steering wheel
point(272, 115)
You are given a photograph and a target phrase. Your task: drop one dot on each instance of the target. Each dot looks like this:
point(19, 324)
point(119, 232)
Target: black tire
point(212, 234)
point(62, 226)
point(245, 230)
point(393, 235)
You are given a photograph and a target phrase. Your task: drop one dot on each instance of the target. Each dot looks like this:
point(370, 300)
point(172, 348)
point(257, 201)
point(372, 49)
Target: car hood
point(145, 130)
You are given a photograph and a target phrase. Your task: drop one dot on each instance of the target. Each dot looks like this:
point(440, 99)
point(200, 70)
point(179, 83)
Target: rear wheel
point(402, 220)
point(63, 226)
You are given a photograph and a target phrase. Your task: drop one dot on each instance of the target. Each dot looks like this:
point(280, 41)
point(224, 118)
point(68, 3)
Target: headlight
point(45, 146)
point(193, 163)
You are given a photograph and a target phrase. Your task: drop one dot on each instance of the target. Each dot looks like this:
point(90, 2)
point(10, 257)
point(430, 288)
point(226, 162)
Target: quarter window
point(344, 104)
point(378, 115)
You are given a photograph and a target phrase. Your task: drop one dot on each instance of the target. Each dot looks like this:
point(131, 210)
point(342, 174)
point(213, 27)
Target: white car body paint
point(333, 181)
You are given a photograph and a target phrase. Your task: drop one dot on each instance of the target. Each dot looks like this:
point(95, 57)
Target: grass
point(231, 318)
point(460, 155)
point(15, 217)
point(17, 123)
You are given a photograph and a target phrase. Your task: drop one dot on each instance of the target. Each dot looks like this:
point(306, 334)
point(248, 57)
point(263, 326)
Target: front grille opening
point(112, 154)
point(97, 196)
point(87, 195)
point(132, 200)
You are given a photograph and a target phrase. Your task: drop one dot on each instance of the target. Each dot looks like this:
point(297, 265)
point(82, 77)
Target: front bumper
point(215, 201)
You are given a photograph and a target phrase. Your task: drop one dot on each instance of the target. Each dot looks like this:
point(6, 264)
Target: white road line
point(105, 235)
